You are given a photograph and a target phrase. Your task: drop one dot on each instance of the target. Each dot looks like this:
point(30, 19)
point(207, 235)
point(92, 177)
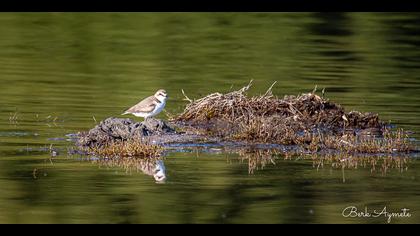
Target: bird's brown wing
point(145, 105)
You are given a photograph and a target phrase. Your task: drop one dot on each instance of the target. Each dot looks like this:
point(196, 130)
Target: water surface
point(63, 72)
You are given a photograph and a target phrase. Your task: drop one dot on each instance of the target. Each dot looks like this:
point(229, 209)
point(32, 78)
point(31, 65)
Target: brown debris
point(307, 111)
point(306, 120)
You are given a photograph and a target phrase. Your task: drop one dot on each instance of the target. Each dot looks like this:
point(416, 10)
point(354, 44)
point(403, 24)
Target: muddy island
point(308, 122)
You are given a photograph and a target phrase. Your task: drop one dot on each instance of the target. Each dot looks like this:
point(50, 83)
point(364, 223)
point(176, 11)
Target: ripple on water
point(17, 134)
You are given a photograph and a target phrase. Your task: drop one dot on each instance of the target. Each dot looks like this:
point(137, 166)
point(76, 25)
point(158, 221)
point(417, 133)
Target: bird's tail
point(125, 113)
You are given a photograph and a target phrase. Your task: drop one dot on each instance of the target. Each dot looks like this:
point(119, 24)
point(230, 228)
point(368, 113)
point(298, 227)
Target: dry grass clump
point(307, 110)
point(306, 120)
point(232, 106)
point(264, 131)
point(390, 142)
point(270, 130)
point(127, 148)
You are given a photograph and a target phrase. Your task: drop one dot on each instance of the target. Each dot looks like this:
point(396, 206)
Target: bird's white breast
point(158, 108)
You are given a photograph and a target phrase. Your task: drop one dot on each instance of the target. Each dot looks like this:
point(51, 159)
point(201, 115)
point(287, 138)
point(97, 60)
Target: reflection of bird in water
point(152, 167)
point(157, 170)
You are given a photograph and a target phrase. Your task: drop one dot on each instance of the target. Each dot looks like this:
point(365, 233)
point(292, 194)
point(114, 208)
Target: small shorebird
point(149, 106)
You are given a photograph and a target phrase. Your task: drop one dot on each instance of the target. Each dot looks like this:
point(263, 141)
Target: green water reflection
point(59, 72)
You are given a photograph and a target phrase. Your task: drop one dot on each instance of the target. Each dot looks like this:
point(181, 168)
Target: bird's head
point(161, 95)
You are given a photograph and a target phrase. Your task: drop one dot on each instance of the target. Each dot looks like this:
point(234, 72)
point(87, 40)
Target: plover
point(149, 106)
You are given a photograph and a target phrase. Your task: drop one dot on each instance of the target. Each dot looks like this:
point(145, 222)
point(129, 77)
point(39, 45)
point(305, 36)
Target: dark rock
point(117, 129)
point(157, 126)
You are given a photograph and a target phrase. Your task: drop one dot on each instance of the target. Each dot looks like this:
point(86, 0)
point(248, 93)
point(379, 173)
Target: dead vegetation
point(129, 148)
point(306, 110)
point(306, 120)
point(14, 118)
point(389, 142)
